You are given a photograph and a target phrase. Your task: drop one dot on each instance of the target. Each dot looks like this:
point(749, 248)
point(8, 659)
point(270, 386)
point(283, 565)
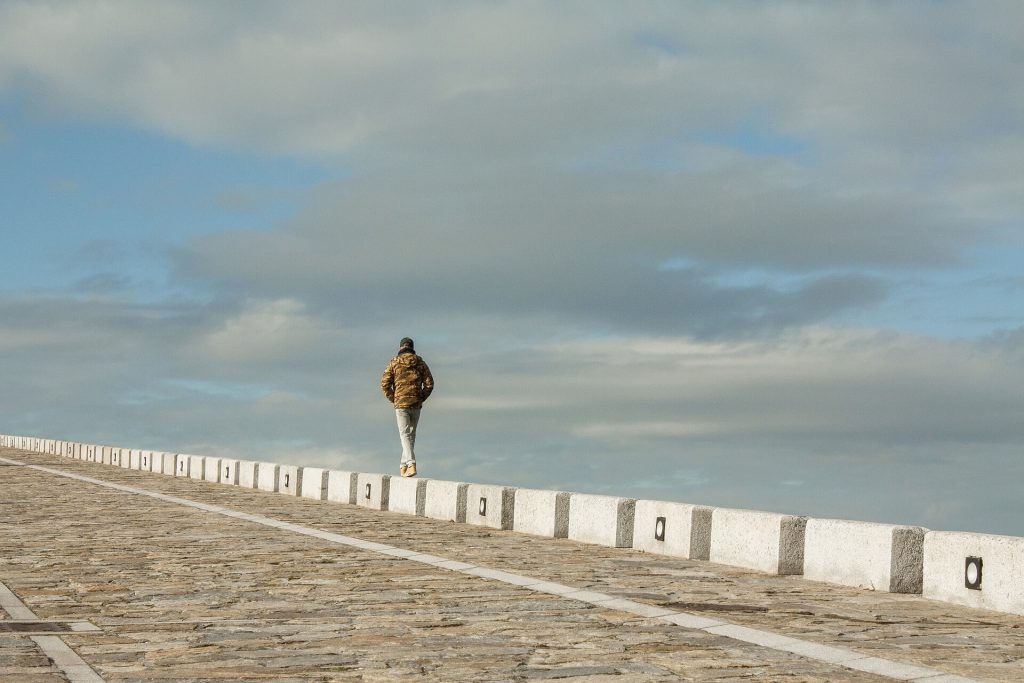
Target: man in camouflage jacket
point(407, 383)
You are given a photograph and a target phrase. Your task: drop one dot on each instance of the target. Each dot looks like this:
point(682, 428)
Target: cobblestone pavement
point(188, 595)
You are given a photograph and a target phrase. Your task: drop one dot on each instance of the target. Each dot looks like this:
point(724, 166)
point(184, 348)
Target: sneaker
point(410, 470)
point(402, 469)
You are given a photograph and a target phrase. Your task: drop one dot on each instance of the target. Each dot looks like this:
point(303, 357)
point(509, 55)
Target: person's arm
point(387, 382)
point(428, 381)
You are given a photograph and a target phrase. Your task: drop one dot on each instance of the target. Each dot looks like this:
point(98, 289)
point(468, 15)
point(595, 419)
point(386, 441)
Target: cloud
point(345, 79)
point(603, 414)
point(624, 237)
point(651, 132)
point(262, 332)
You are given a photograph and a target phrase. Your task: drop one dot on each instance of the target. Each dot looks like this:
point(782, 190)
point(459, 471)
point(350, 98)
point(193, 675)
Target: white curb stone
point(541, 513)
point(314, 483)
point(977, 570)
point(602, 520)
point(764, 541)
point(676, 529)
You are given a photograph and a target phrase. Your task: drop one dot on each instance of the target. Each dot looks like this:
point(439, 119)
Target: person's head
point(406, 345)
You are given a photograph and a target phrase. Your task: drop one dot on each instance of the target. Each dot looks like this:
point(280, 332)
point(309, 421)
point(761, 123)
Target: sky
point(741, 254)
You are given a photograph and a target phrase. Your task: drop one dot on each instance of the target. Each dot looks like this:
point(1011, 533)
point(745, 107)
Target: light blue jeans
point(408, 418)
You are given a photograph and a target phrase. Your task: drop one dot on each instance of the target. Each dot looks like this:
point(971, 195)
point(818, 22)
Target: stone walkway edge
point(838, 656)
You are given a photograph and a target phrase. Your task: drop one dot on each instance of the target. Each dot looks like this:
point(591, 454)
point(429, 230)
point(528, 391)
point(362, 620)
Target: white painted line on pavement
point(67, 660)
point(15, 608)
point(62, 656)
point(829, 654)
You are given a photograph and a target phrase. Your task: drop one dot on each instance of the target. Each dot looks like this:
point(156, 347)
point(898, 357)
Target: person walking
point(407, 383)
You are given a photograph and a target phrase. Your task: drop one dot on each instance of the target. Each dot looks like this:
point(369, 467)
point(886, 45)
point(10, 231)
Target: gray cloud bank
point(817, 421)
point(564, 203)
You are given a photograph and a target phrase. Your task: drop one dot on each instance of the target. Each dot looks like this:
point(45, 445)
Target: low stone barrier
point(602, 520)
point(342, 486)
point(166, 462)
point(314, 483)
point(182, 465)
point(268, 477)
point(490, 506)
point(290, 480)
point(407, 495)
point(541, 513)
point(676, 529)
point(248, 474)
point(211, 470)
point(372, 490)
point(766, 541)
point(445, 500)
point(228, 471)
point(883, 557)
point(976, 570)
point(196, 467)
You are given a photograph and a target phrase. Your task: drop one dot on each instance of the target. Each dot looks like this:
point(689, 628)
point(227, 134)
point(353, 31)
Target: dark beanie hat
point(406, 343)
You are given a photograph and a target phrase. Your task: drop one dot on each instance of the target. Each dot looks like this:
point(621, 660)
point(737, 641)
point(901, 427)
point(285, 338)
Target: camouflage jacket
point(407, 381)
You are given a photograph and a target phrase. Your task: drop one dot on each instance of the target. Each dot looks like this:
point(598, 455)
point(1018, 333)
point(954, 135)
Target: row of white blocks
point(977, 570)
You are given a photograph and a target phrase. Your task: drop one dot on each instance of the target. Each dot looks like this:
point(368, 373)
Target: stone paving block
point(676, 529)
point(603, 520)
point(314, 483)
point(490, 506)
point(541, 513)
point(890, 669)
point(691, 621)
point(752, 635)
